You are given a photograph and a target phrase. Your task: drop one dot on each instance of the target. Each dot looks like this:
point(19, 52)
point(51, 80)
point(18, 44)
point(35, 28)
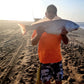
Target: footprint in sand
point(66, 77)
point(22, 81)
point(21, 57)
point(81, 70)
point(71, 80)
point(16, 73)
point(19, 62)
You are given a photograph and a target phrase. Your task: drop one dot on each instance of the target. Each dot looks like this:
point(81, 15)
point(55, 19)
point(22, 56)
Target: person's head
point(51, 11)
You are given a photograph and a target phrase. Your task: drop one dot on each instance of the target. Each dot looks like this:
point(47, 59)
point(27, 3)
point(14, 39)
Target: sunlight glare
point(19, 9)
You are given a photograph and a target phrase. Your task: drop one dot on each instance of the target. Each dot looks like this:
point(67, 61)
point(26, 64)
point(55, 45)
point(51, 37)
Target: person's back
point(49, 50)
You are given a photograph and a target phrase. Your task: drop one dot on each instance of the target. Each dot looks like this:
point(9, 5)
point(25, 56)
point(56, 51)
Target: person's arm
point(64, 37)
point(36, 39)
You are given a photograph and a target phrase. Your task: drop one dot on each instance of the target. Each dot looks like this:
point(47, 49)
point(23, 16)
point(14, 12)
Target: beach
point(19, 60)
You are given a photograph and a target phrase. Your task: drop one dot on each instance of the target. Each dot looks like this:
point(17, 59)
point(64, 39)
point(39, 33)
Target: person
point(49, 51)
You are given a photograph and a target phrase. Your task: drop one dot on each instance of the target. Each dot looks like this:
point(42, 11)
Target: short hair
point(51, 8)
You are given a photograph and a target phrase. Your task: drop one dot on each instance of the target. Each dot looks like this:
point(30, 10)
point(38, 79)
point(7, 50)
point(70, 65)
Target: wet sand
point(19, 59)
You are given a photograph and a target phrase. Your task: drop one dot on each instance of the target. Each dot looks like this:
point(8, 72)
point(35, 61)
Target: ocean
point(81, 24)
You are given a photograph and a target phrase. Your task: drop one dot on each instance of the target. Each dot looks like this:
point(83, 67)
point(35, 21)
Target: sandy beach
point(19, 59)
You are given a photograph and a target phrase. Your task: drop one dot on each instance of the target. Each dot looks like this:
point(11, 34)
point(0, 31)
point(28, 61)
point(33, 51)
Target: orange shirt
point(49, 48)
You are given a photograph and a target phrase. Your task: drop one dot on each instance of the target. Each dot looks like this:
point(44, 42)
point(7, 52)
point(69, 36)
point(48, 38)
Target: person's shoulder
point(57, 18)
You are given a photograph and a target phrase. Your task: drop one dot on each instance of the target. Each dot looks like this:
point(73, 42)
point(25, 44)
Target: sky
point(27, 10)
